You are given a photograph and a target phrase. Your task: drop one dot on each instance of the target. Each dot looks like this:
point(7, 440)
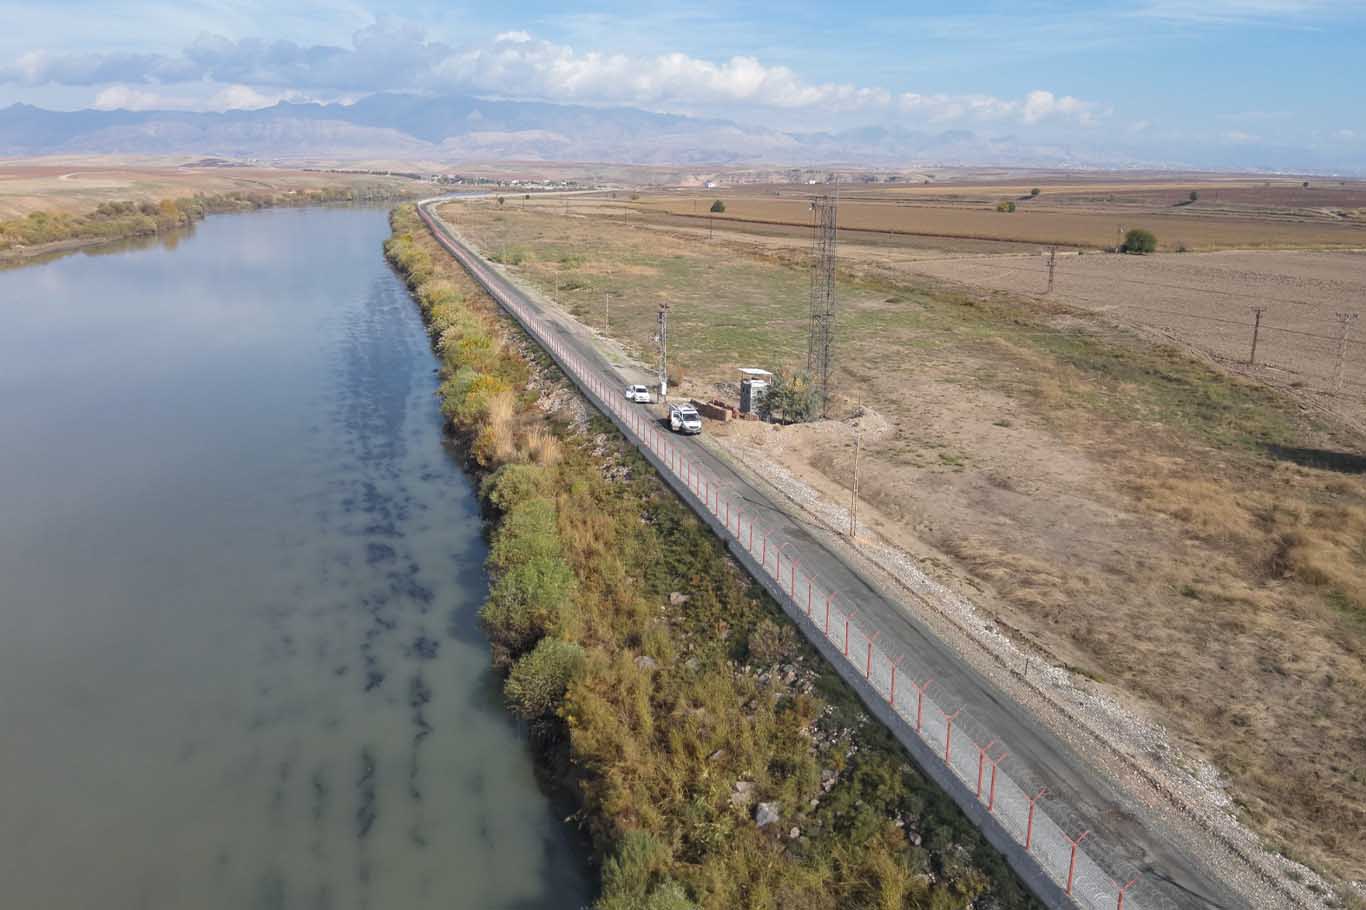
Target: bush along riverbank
point(716, 760)
point(41, 232)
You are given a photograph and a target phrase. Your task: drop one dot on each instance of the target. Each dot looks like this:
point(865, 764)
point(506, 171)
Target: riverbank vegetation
point(128, 219)
point(717, 761)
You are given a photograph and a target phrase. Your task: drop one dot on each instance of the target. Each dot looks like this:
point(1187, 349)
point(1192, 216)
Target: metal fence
point(1036, 819)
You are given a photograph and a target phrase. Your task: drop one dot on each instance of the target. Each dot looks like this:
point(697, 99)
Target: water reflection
point(238, 576)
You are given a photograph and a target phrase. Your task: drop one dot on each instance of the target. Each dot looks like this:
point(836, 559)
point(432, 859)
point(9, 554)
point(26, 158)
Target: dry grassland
point(1206, 301)
point(80, 185)
point(1194, 541)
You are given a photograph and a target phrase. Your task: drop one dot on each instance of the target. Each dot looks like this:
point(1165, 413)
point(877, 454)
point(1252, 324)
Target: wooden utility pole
point(1256, 330)
point(606, 311)
point(1052, 264)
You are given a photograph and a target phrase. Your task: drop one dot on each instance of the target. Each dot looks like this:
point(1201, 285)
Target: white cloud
point(1033, 108)
point(228, 98)
point(517, 65)
point(398, 56)
point(122, 97)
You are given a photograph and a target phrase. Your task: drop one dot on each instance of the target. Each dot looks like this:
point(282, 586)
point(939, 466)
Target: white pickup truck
point(638, 393)
point(683, 418)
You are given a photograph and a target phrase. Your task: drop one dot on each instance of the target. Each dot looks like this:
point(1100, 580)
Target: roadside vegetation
point(1193, 541)
point(146, 218)
point(717, 761)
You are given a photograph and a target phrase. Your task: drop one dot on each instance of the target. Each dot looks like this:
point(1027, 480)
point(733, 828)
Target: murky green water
point(239, 660)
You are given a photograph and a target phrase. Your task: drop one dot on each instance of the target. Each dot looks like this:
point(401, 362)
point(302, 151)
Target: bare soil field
point(1192, 542)
point(80, 184)
point(1227, 213)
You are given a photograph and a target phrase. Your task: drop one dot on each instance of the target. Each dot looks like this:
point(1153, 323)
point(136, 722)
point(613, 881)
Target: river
point(240, 662)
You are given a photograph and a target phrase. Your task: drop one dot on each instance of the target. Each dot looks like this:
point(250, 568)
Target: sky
point(1208, 82)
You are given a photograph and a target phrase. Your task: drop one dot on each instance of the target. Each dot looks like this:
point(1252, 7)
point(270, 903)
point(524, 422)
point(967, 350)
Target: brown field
point(1236, 216)
point(1191, 541)
point(1205, 300)
point(78, 185)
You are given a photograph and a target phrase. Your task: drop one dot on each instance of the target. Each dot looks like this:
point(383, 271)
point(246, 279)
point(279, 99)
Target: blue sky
point(1219, 82)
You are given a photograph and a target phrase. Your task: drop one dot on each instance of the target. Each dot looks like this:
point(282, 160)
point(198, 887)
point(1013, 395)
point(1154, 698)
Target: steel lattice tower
point(819, 352)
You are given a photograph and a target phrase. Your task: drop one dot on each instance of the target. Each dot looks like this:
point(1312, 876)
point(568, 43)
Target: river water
point(240, 665)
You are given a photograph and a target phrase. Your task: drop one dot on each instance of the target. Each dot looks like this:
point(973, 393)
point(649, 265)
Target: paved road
point(1169, 876)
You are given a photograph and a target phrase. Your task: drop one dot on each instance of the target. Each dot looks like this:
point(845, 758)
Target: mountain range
point(460, 128)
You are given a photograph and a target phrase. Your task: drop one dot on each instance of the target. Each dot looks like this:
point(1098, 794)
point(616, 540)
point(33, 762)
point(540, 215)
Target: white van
point(638, 393)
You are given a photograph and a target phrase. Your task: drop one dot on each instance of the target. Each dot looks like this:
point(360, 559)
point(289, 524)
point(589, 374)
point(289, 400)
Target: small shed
point(754, 384)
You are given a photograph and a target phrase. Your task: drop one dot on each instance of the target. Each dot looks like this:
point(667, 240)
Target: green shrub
point(527, 532)
point(1140, 241)
point(513, 484)
point(718, 207)
point(469, 409)
point(791, 398)
point(527, 602)
point(538, 680)
point(636, 868)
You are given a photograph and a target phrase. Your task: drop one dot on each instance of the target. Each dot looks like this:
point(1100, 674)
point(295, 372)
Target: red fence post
point(920, 702)
point(948, 736)
point(846, 635)
point(827, 613)
point(868, 670)
point(1072, 864)
point(981, 764)
point(891, 693)
point(1029, 827)
point(808, 595)
point(1127, 885)
point(991, 799)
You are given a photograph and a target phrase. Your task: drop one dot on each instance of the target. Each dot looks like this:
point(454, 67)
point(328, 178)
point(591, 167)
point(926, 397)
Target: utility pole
point(1052, 264)
point(1256, 330)
point(606, 311)
point(662, 339)
point(1345, 321)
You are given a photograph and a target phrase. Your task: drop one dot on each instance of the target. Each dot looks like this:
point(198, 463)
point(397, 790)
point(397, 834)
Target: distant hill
point(455, 128)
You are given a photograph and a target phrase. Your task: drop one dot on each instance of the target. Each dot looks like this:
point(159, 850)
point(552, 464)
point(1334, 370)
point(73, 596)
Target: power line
point(1142, 282)
point(1135, 306)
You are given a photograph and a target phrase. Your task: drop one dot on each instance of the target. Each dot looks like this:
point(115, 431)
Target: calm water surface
point(239, 660)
